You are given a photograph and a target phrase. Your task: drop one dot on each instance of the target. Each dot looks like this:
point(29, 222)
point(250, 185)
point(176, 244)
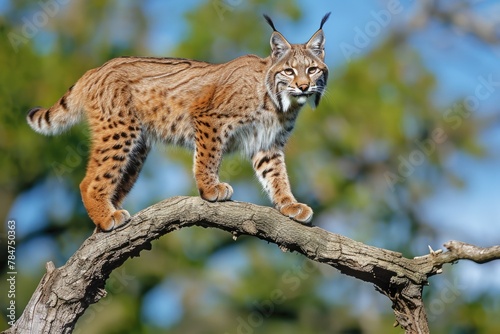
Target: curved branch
point(64, 293)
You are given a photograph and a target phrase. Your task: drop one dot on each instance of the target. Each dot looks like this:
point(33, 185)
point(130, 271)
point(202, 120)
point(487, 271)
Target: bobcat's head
point(298, 71)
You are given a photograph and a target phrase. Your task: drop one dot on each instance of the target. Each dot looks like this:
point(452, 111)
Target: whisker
point(328, 96)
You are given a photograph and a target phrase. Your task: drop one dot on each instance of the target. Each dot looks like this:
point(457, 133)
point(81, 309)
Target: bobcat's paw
point(117, 219)
point(297, 211)
point(217, 193)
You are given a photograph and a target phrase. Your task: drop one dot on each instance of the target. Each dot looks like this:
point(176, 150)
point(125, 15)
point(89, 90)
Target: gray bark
point(64, 293)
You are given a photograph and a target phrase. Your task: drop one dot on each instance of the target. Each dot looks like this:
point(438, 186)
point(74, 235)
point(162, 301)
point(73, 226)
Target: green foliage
point(209, 27)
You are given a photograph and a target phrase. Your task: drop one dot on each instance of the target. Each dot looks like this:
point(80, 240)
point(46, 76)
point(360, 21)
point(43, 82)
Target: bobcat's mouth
point(301, 97)
point(301, 94)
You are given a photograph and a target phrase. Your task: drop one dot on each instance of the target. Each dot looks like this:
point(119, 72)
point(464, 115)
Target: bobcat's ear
point(317, 44)
point(279, 45)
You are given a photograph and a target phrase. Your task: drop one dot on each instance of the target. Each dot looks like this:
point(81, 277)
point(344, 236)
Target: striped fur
point(249, 104)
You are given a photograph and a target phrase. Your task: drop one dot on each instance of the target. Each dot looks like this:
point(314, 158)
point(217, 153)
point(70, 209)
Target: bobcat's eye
point(312, 70)
point(289, 71)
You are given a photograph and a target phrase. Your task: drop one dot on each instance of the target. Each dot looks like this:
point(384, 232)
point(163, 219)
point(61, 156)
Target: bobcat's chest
point(260, 134)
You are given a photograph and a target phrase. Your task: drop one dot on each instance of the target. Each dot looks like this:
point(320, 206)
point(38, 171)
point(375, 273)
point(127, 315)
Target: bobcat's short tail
point(58, 118)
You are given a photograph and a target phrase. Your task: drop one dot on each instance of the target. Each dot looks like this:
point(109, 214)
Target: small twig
point(459, 250)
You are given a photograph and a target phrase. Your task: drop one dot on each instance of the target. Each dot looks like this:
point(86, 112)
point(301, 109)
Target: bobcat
point(249, 104)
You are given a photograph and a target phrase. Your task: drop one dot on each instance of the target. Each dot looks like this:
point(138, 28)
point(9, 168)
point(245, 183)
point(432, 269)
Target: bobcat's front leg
point(207, 159)
point(271, 170)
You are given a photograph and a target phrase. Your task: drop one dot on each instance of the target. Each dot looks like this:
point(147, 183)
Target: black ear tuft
point(325, 18)
point(268, 19)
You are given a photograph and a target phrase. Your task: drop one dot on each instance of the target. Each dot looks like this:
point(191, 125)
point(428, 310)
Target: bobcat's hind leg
point(114, 165)
point(96, 199)
point(135, 161)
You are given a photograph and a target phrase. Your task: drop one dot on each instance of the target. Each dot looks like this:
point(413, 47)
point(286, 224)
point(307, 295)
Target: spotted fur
point(249, 104)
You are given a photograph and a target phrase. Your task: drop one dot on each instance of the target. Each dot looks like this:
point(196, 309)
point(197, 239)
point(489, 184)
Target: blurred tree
point(366, 158)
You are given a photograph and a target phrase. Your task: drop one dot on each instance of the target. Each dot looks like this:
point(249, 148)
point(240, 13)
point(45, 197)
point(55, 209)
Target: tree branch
point(65, 293)
point(458, 250)
point(459, 15)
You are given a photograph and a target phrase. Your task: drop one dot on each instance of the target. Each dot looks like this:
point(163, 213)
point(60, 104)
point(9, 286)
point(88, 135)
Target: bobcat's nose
point(303, 87)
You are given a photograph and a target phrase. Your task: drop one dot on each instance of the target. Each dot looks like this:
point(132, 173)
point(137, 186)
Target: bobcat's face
point(298, 72)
